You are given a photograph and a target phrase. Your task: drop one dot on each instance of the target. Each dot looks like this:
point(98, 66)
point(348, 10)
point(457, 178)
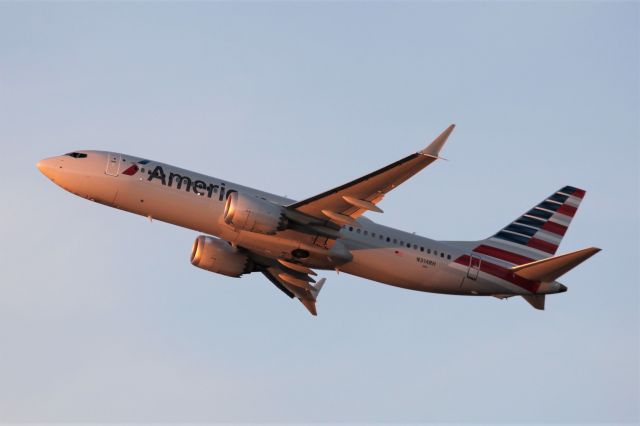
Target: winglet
point(310, 304)
point(317, 287)
point(434, 147)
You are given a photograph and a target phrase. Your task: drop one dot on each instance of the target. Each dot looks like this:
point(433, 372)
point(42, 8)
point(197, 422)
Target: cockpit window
point(77, 155)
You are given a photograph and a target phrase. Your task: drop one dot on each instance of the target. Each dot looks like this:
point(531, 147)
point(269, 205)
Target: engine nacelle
point(253, 214)
point(215, 255)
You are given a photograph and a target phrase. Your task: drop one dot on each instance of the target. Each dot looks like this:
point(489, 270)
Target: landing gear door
point(113, 164)
point(474, 267)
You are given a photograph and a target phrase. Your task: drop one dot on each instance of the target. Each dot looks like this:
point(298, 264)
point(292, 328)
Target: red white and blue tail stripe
point(533, 236)
point(536, 234)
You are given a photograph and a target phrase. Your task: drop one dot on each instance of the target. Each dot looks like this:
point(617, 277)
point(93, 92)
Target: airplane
point(247, 230)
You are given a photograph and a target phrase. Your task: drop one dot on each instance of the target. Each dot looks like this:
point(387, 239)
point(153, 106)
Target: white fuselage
point(196, 201)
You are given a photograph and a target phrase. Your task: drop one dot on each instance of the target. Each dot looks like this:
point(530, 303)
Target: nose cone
point(47, 167)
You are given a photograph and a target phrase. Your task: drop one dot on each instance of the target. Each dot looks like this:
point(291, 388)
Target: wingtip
point(310, 305)
point(434, 147)
point(589, 251)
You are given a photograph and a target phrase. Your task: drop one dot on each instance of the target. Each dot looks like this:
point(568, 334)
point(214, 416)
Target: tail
point(522, 253)
point(536, 234)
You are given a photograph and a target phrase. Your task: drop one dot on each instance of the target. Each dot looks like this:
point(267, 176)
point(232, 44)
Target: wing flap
point(296, 267)
point(296, 284)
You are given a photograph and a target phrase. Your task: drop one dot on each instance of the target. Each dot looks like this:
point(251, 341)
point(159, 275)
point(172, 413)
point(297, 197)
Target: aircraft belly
point(488, 285)
point(481, 287)
point(403, 269)
point(270, 246)
point(281, 246)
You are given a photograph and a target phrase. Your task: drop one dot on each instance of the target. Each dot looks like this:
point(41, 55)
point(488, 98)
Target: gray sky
point(102, 318)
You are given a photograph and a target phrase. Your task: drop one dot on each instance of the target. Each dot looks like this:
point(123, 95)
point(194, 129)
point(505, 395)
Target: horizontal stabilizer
point(551, 268)
point(535, 300)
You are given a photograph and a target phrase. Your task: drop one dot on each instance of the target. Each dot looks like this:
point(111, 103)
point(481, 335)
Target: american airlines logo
point(184, 182)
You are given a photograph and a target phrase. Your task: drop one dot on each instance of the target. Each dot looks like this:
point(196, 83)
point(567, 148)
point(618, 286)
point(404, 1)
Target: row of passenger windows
point(402, 243)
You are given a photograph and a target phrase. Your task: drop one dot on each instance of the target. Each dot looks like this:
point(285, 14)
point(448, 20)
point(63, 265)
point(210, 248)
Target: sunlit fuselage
point(195, 201)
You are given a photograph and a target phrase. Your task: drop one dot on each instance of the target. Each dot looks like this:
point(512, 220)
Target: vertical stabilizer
point(536, 234)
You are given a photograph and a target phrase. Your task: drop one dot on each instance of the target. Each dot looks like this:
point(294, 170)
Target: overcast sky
point(103, 319)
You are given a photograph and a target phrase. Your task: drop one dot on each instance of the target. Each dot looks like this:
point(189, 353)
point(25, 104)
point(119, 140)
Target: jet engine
point(254, 214)
point(215, 255)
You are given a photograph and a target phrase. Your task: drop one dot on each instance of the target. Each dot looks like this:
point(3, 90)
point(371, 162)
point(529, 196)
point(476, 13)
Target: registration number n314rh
point(426, 262)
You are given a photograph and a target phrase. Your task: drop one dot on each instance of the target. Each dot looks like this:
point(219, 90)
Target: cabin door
point(113, 164)
point(474, 266)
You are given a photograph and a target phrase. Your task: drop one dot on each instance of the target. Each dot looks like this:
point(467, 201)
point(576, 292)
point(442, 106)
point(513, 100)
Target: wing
point(295, 281)
point(345, 203)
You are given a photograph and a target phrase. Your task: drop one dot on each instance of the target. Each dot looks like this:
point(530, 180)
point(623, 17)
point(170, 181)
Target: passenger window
point(351, 228)
point(381, 237)
point(366, 232)
point(449, 256)
point(408, 245)
point(435, 252)
point(373, 234)
point(428, 251)
point(421, 248)
point(441, 254)
point(395, 241)
point(415, 247)
point(358, 230)
point(388, 239)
